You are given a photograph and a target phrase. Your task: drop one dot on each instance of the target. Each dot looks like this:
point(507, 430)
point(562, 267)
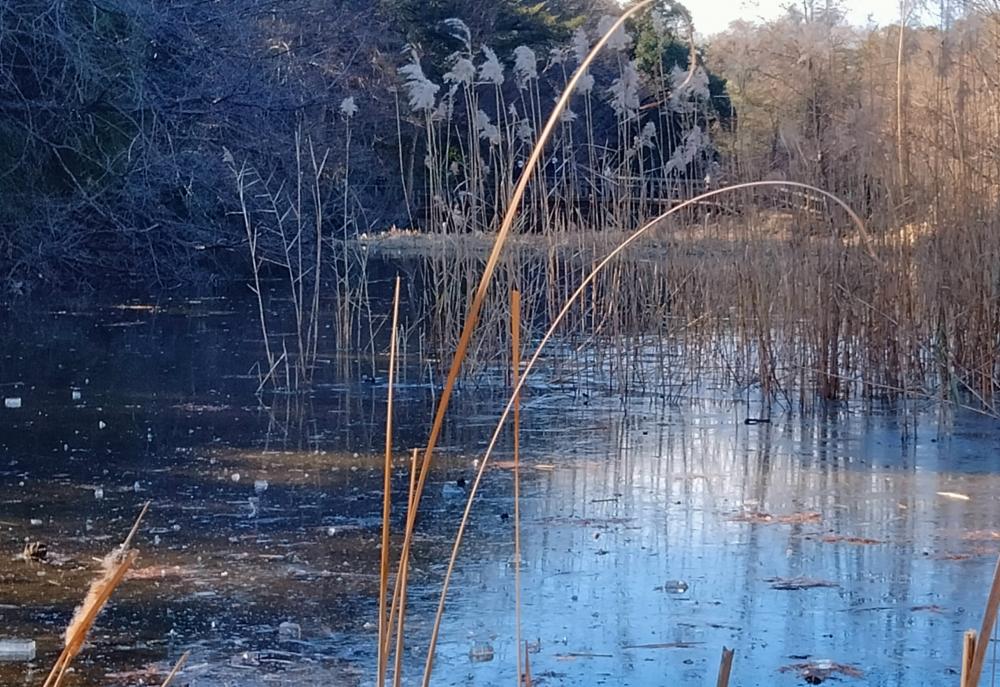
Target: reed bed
point(789, 305)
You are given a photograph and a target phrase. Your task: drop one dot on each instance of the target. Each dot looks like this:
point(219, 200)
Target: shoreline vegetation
point(772, 285)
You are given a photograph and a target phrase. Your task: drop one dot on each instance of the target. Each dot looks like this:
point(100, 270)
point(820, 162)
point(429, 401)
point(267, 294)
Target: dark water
point(652, 535)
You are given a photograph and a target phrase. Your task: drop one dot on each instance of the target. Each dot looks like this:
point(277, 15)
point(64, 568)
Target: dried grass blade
point(986, 631)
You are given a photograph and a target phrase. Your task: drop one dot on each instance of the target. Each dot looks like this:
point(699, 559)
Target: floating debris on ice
point(843, 539)
point(480, 653)
point(816, 672)
point(17, 650)
point(289, 630)
point(762, 518)
point(675, 586)
point(794, 584)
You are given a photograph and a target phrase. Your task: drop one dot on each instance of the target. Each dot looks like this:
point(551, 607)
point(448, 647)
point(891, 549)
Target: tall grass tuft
point(515, 344)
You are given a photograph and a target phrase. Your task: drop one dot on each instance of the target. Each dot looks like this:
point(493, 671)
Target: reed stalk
point(968, 654)
point(515, 342)
point(397, 674)
point(725, 667)
point(387, 492)
point(127, 544)
point(986, 631)
point(527, 682)
point(115, 566)
point(76, 634)
point(393, 612)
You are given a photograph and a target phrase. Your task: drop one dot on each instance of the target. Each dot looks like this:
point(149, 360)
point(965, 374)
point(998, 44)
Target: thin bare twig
point(177, 669)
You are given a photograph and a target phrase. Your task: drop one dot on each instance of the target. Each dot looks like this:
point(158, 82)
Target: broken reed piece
point(177, 669)
point(968, 652)
point(989, 621)
point(725, 667)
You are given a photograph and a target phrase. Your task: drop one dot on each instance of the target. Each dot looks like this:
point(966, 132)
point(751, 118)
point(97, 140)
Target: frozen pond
point(652, 535)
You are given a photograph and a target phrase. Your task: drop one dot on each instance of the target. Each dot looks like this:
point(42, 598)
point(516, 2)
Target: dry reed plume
point(113, 569)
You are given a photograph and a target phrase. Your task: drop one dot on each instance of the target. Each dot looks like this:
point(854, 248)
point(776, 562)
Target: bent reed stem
point(863, 233)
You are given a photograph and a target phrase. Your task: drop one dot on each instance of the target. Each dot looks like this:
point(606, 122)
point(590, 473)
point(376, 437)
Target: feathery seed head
point(620, 40)
point(420, 90)
point(525, 65)
point(348, 108)
point(491, 71)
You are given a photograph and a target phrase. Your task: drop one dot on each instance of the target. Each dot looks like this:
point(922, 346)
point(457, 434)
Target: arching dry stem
point(862, 231)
